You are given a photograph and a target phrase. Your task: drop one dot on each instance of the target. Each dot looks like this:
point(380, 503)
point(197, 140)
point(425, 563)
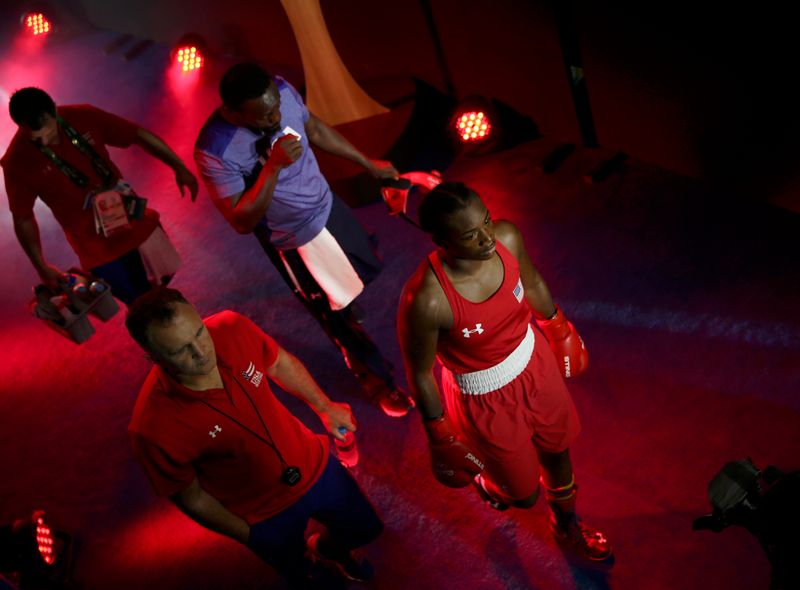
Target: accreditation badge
point(109, 213)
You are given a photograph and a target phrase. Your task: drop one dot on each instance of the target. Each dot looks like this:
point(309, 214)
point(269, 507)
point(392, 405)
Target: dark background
point(679, 272)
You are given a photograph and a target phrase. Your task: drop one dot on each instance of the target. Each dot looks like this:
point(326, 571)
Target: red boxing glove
point(566, 344)
point(454, 464)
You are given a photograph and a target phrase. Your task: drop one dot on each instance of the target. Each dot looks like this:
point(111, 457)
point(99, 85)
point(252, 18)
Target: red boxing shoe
point(394, 402)
point(583, 540)
point(488, 499)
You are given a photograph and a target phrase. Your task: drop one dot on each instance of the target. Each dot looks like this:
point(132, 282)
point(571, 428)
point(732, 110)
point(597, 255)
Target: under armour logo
point(478, 330)
point(316, 295)
point(213, 433)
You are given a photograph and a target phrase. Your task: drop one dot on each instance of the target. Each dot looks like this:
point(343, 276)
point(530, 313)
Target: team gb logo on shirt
point(252, 375)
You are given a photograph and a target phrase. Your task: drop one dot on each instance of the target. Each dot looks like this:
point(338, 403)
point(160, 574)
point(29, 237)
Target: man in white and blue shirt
point(254, 155)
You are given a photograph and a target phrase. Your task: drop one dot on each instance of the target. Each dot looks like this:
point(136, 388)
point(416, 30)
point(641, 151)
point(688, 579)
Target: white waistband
point(503, 373)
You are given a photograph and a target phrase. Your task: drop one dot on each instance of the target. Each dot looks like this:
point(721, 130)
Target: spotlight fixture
point(190, 53)
point(189, 58)
point(472, 122)
point(32, 550)
point(36, 24)
point(482, 126)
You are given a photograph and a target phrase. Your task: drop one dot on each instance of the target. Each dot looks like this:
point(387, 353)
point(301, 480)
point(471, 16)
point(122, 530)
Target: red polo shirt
point(30, 174)
point(179, 434)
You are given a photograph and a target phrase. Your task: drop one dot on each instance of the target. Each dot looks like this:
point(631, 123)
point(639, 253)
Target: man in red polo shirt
point(60, 156)
point(211, 435)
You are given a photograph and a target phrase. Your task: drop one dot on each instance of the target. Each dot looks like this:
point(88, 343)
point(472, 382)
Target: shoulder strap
point(453, 298)
point(510, 263)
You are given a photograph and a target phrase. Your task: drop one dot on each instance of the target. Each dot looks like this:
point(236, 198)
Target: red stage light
point(36, 23)
point(44, 539)
point(473, 126)
point(190, 58)
point(484, 126)
point(189, 54)
point(30, 546)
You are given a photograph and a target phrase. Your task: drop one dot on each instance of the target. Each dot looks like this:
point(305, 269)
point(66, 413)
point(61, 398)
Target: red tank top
point(485, 333)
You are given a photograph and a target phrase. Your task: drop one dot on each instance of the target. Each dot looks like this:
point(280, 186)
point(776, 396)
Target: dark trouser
point(336, 501)
point(340, 326)
point(126, 276)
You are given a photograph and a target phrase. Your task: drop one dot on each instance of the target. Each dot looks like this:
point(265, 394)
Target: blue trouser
point(336, 501)
point(340, 326)
point(126, 276)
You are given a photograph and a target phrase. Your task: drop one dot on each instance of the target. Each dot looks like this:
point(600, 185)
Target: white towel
point(159, 256)
point(330, 267)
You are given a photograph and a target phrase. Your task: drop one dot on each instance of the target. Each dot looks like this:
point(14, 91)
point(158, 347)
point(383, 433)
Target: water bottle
point(346, 449)
point(77, 283)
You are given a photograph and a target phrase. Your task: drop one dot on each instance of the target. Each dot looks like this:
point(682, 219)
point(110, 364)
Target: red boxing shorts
point(534, 411)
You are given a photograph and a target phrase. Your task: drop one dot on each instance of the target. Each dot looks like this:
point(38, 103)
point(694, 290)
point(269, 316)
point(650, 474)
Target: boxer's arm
point(418, 325)
point(422, 313)
point(536, 291)
point(564, 340)
point(206, 510)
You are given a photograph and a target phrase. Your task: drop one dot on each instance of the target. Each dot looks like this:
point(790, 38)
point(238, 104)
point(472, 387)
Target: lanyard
point(270, 441)
point(76, 176)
